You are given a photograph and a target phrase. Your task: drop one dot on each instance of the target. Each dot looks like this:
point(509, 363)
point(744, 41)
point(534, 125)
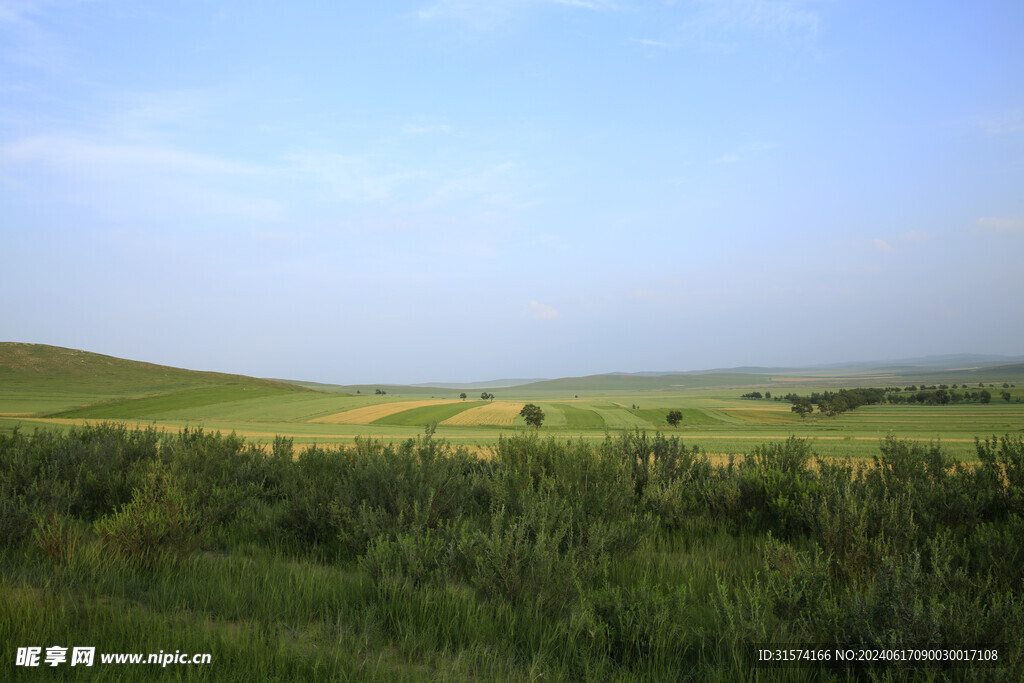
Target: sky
point(449, 190)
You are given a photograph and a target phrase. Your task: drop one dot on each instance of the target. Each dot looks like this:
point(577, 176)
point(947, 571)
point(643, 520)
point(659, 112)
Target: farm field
point(50, 388)
point(708, 421)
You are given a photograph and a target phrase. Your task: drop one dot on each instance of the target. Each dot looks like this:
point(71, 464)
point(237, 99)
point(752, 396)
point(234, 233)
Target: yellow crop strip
point(499, 413)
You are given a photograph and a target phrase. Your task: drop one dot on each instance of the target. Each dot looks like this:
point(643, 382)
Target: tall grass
point(632, 558)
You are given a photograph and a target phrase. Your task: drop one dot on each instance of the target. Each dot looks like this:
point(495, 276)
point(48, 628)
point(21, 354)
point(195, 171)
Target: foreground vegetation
point(633, 557)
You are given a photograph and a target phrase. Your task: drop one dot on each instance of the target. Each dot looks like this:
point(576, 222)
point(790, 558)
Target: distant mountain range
point(935, 363)
point(938, 362)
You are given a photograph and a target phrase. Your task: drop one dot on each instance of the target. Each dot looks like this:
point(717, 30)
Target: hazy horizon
point(923, 364)
point(448, 191)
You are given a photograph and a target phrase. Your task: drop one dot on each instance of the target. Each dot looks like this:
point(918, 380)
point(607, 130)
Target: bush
point(161, 519)
point(421, 558)
point(85, 472)
point(340, 500)
point(534, 555)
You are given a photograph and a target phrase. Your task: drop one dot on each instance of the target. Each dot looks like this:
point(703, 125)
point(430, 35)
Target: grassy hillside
point(41, 379)
point(40, 367)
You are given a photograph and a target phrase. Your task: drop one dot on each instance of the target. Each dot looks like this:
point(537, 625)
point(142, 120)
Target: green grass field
point(579, 418)
point(50, 387)
point(421, 417)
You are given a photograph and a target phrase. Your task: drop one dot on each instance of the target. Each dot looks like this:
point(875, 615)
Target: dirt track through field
point(367, 414)
point(500, 414)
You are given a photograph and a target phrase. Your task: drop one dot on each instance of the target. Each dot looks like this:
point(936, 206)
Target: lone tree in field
point(486, 396)
point(674, 417)
point(533, 415)
point(463, 395)
point(802, 407)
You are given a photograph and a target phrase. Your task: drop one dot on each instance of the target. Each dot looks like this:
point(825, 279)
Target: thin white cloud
point(539, 311)
point(727, 159)
point(1001, 226)
point(137, 181)
point(881, 245)
point(657, 44)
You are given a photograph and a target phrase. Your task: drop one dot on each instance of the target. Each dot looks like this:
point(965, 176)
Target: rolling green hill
point(40, 367)
point(51, 379)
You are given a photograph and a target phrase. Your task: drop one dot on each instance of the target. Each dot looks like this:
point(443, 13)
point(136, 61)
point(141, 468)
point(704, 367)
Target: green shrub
point(421, 558)
point(1003, 462)
point(536, 554)
point(85, 472)
point(898, 609)
point(857, 525)
point(16, 521)
point(161, 519)
point(341, 500)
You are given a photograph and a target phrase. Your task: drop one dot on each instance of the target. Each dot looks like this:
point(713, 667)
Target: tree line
point(832, 403)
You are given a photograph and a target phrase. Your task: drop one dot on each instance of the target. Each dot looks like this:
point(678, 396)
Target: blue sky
point(449, 190)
